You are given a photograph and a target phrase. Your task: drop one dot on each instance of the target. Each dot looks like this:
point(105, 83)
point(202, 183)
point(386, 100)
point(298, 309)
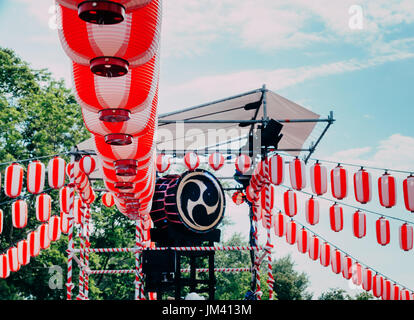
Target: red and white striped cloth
point(336, 216)
point(312, 211)
point(13, 256)
point(163, 163)
point(43, 207)
point(362, 186)
point(406, 237)
point(325, 254)
point(387, 190)
point(408, 189)
point(23, 252)
point(291, 232)
point(33, 239)
point(314, 248)
point(367, 279)
point(267, 198)
point(339, 182)
point(359, 225)
point(216, 161)
point(279, 224)
point(191, 161)
point(303, 241)
point(336, 261)
point(35, 177)
point(377, 285)
point(319, 179)
point(87, 164)
point(297, 171)
point(243, 163)
point(275, 172)
point(347, 267)
point(290, 203)
point(383, 231)
point(19, 214)
point(4, 266)
point(13, 180)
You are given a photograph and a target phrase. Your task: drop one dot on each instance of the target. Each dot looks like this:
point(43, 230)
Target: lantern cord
point(351, 206)
point(353, 165)
point(347, 254)
point(25, 196)
point(34, 158)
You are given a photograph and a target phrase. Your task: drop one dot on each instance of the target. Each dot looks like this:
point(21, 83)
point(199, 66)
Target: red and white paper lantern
point(267, 198)
point(108, 199)
point(406, 237)
point(312, 211)
point(319, 179)
point(336, 217)
point(408, 188)
point(297, 171)
point(238, 198)
point(275, 166)
point(64, 199)
point(339, 182)
point(13, 256)
point(64, 222)
point(23, 252)
point(33, 239)
point(387, 289)
point(163, 163)
point(359, 224)
point(325, 254)
point(395, 292)
point(43, 207)
point(4, 266)
point(191, 161)
point(405, 295)
point(13, 180)
point(243, 163)
point(279, 224)
point(1, 220)
point(347, 267)
point(291, 232)
point(44, 240)
point(87, 164)
point(35, 177)
point(54, 228)
point(290, 203)
point(367, 279)
point(377, 285)
point(387, 190)
point(314, 248)
point(216, 161)
point(19, 214)
point(357, 274)
point(56, 172)
point(383, 231)
point(336, 261)
point(303, 241)
point(362, 186)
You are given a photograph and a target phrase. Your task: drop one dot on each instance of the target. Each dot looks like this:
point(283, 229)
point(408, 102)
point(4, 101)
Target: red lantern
point(13, 180)
point(336, 217)
point(347, 267)
point(238, 197)
point(108, 199)
point(297, 174)
point(279, 224)
point(1, 221)
point(408, 188)
point(64, 199)
point(19, 214)
point(314, 248)
point(367, 279)
point(405, 295)
point(312, 211)
point(267, 198)
point(23, 252)
point(303, 241)
point(33, 240)
point(275, 169)
point(191, 161)
point(383, 231)
point(243, 163)
point(291, 232)
point(44, 236)
point(13, 256)
point(387, 190)
point(56, 172)
point(357, 274)
point(163, 163)
point(359, 225)
point(4, 266)
point(54, 228)
point(377, 285)
point(319, 179)
point(43, 207)
point(339, 182)
point(362, 186)
point(87, 164)
point(406, 237)
point(395, 292)
point(64, 222)
point(387, 289)
point(336, 261)
point(290, 203)
point(35, 177)
point(216, 161)
point(325, 254)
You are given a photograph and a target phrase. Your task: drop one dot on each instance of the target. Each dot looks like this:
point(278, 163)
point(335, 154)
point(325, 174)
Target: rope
point(34, 158)
point(185, 270)
point(28, 195)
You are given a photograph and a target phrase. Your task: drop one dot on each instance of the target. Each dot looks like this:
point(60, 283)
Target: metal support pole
point(137, 261)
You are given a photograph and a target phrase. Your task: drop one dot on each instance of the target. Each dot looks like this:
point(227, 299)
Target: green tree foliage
point(341, 294)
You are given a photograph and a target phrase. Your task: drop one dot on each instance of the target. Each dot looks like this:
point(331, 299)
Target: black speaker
point(270, 134)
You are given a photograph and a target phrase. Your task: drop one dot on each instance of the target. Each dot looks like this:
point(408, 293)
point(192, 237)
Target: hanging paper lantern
point(64, 222)
point(33, 239)
point(359, 225)
point(325, 254)
point(19, 214)
point(279, 224)
point(191, 161)
point(336, 261)
point(87, 164)
point(395, 292)
point(108, 199)
point(339, 182)
point(290, 203)
point(303, 241)
point(152, 295)
point(405, 295)
point(43, 207)
point(408, 188)
point(13, 256)
point(275, 169)
point(216, 160)
point(4, 266)
point(35, 177)
point(314, 248)
point(387, 190)
point(56, 172)
point(13, 180)
point(291, 231)
point(78, 210)
point(44, 240)
point(297, 174)
point(362, 186)
point(267, 198)
point(336, 217)
point(23, 252)
point(64, 199)
point(367, 279)
point(243, 163)
point(1, 221)
point(377, 285)
point(54, 228)
point(163, 163)
point(347, 267)
point(238, 197)
point(357, 274)
point(319, 179)
point(387, 289)
point(312, 211)
point(383, 231)
point(406, 237)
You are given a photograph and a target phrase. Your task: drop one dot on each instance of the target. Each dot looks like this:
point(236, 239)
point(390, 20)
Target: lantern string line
point(28, 195)
point(347, 254)
point(34, 158)
point(351, 206)
point(351, 164)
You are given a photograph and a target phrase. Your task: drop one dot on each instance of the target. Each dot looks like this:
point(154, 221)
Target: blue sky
point(302, 50)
